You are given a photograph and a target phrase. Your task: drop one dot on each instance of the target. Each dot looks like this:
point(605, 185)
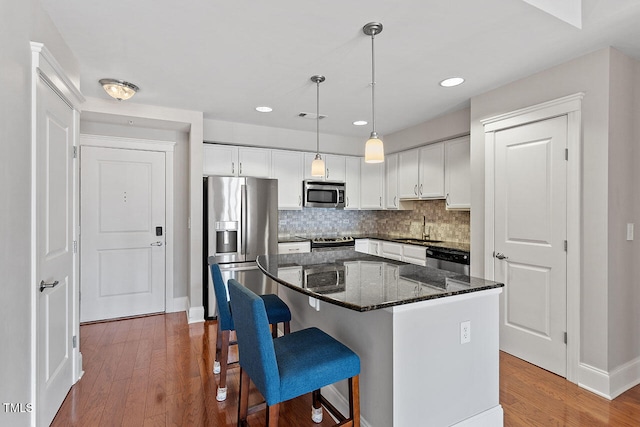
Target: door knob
point(44, 285)
point(500, 255)
point(158, 243)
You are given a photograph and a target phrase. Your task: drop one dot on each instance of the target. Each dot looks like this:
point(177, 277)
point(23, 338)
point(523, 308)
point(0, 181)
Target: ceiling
point(224, 58)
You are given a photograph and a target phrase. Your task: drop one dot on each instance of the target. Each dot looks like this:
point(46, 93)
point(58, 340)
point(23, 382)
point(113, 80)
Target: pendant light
point(373, 149)
point(317, 167)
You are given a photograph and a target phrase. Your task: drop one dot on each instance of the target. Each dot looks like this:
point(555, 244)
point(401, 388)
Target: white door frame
point(148, 145)
point(44, 66)
point(571, 107)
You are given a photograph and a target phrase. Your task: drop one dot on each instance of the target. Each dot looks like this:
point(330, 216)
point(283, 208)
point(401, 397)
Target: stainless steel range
point(332, 243)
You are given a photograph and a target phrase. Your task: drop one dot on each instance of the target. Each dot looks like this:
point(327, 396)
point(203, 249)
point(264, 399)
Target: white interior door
point(54, 251)
point(530, 233)
point(122, 214)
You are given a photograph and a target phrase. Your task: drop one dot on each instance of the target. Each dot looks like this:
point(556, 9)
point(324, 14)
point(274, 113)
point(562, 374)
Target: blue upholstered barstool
point(289, 366)
point(277, 312)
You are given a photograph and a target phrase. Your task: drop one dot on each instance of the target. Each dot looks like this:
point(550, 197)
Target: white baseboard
point(493, 417)
point(610, 384)
point(179, 304)
point(195, 314)
point(340, 402)
point(625, 377)
point(595, 380)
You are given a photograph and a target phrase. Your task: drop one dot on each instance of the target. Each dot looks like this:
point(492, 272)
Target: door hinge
point(75, 246)
point(565, 246)
point(565, 337)
point(75, 341)
point(75, 152)
point(566, 154)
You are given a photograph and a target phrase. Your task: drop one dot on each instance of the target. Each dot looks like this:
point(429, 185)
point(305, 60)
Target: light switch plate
point(630, 231)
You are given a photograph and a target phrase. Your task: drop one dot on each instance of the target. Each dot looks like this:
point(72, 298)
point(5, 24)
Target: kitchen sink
point(418, 241)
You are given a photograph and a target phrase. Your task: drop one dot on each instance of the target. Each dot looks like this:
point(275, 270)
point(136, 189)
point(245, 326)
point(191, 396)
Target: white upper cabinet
point(432, 171)
point(371, 185)
point(458, 173)
point(335, 168)
point(286, 167)
point(352, 183)
point(255, 162)
point(220, 160)
point(421, 172)
point(229, 160)
point(392, 201)
point(408, 174)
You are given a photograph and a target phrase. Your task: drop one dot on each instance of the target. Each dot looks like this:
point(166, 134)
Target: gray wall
point(607, 182)
point(22, 22)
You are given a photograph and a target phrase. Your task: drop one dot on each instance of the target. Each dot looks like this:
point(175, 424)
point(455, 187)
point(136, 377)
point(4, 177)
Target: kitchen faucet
point(425, 234)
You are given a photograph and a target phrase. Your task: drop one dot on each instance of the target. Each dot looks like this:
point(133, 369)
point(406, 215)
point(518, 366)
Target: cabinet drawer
point(294, 247)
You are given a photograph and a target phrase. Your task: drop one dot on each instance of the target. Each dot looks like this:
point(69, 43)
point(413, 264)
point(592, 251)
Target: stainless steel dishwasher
point(453, 260)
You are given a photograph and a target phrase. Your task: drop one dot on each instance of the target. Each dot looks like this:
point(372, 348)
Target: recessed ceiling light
point(264, 109)
point(453, 81)
point(360, 122)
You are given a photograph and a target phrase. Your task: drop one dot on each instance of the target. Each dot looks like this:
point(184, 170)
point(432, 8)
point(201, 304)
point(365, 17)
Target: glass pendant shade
point(119, 89)
point(374, 150)
point(317, 167)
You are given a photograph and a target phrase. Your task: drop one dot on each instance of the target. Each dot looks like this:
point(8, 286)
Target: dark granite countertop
point(292, 239)
point(364, 282)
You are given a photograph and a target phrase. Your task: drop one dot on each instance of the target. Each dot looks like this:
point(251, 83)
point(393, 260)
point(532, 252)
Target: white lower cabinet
point(294, 247)
point(414, 254)
point(391, 250)
point(374, 248)
point(291, 275)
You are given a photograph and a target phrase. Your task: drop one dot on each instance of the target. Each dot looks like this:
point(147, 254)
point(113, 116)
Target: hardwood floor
point(157, 371)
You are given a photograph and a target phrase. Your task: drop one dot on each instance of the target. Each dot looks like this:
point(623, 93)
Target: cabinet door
point(286, 167)
point(372, 183)
point(220, 160)
point(352, 183)
point(255, 162)
point(291, 275)
point(414, 254)
point(308, 159)
point(334, 167)
point(374, 247)
point(362, 245)
point(458, 173)
point(408, 174)
point(432, 171)
point(392, 250)
point(391, 181)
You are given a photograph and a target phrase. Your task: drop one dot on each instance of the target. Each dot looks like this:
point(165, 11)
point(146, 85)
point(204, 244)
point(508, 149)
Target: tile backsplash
point(441, 224)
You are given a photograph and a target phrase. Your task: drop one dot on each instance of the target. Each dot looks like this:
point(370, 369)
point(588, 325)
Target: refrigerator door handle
point(243, 220)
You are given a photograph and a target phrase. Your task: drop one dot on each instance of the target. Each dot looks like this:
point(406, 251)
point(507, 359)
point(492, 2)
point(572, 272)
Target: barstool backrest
point(255, 343)
point(224, 313)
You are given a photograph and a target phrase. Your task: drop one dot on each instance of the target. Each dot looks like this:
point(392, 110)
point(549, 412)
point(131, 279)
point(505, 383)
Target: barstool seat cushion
point(310, 359)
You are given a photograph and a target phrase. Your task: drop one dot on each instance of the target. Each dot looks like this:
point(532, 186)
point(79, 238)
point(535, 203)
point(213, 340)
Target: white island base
point(414, 369)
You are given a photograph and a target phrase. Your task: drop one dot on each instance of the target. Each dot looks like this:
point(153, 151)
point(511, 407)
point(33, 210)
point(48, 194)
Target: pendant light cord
point(318, 117)
point(373, 86)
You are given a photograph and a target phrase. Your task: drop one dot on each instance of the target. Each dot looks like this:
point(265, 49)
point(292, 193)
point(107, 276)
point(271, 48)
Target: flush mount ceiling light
point(317, 167)
point(119, 89)
point(373, 149)
point(264, 109)
point(452, 81)
point(360, 122)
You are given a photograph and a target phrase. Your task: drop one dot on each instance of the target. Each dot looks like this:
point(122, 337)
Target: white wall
point(270, 137)
point(21, 22)
point(447, 126)
point(605, 142)
point(624, 328)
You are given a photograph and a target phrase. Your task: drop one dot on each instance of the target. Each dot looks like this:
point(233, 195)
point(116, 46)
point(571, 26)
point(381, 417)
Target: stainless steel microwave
point(323, 194)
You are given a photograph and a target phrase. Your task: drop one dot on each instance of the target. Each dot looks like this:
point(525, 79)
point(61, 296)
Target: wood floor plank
point(157, 371)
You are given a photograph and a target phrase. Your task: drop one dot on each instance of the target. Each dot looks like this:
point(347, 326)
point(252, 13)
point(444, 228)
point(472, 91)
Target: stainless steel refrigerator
point(241, 222)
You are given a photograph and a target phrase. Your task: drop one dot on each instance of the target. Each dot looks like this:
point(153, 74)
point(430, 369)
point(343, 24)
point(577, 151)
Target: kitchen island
point(407, 323)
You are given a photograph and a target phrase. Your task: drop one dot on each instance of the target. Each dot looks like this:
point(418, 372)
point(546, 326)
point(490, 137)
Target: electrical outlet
point(465, 332)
